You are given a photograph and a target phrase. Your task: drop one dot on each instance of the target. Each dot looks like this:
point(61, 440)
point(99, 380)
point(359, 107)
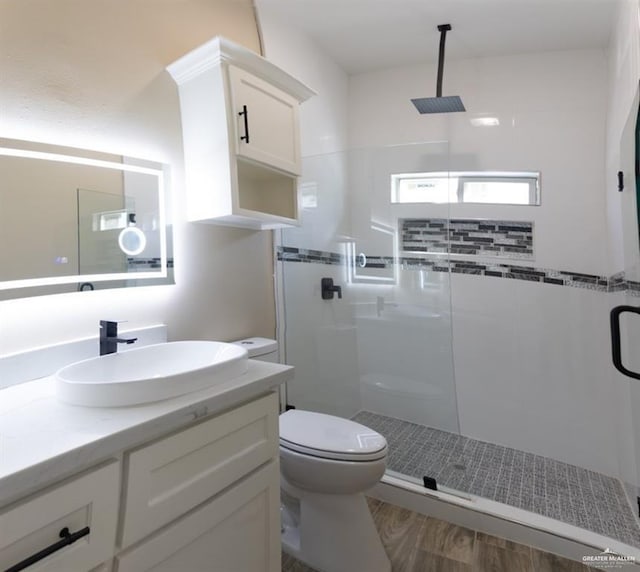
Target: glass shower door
point(382, 353)
point(625, 316)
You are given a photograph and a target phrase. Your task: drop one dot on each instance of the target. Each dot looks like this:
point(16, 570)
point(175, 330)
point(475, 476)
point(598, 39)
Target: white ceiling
point(362, 35)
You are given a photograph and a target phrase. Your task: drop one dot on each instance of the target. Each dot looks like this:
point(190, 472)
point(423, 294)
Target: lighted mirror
point(72, 220)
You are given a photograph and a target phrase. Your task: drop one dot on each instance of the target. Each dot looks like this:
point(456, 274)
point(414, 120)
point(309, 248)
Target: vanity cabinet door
point(238, 531)
point(266, 120)
point(175, 474)
point(87, 507)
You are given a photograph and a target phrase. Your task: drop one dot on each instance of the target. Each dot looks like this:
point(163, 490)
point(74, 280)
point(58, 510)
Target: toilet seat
point(330, 437)
point(332, 455)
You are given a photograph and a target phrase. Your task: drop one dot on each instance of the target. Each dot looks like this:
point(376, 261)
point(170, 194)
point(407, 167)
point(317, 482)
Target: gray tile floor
point(538, 484)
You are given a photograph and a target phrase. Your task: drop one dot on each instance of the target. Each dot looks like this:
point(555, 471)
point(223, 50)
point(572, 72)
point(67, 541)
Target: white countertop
point(43, 440)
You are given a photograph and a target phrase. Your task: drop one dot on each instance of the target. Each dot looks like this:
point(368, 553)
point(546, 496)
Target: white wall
point(323, 117)
point(532, 369)
point(91, 74)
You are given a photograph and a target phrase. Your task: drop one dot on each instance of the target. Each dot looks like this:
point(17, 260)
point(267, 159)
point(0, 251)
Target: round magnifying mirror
point(132, 240)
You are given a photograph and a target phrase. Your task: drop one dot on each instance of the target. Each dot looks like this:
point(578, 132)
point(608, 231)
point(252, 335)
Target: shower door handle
point(616, 349)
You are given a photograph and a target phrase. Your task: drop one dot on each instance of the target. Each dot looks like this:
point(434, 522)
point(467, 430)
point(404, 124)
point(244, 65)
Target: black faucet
point(109, 339)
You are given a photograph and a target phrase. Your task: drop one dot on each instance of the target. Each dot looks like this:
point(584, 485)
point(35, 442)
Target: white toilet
point(326, 465)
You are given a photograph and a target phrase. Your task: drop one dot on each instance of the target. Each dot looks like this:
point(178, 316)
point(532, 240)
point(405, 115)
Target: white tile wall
point(532, 370)
point(552, 110)
point(405, 356)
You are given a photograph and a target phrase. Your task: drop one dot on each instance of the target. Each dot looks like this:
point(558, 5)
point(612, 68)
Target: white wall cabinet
point(241, 136)
point(204, 498)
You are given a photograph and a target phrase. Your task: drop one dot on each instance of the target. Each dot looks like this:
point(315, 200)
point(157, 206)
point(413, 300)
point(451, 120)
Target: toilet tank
point(262, 349)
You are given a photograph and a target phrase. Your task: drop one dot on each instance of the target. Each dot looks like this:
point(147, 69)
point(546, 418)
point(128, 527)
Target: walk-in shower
point(487, 370)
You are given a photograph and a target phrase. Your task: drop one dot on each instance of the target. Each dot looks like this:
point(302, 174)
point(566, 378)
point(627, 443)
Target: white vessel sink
point(149, 373)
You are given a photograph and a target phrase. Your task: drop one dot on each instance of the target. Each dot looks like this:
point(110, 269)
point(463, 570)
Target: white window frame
point(532, 178)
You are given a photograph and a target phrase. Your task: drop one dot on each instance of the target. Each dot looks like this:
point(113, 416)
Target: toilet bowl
point(326, 465)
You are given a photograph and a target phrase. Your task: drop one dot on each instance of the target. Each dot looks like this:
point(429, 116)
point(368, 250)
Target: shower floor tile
point(538, 484)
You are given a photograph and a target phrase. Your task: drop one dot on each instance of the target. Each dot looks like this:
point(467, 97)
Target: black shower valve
point(329, 289)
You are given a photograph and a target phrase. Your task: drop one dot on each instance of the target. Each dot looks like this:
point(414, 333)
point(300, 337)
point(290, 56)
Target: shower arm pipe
point(444, 28)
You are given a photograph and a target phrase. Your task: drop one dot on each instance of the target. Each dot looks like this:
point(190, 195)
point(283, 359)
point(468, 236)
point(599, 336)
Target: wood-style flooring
point(418, 543)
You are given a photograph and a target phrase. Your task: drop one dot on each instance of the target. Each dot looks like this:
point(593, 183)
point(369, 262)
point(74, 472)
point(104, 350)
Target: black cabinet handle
point(616, 349)
point(67, 538)
point(245, 113)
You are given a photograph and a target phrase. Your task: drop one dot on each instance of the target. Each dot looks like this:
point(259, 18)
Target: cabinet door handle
point(616, 349)
point(245, 113)
point(67, 538)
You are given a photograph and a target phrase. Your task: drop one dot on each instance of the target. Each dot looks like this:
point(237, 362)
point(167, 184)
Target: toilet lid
point(330, 437)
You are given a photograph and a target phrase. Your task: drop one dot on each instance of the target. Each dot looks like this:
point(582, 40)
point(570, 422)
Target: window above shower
point(481, 187)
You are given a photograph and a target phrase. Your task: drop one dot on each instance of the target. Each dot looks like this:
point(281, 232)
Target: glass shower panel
point(319, 336)
point(400, 289)
point(382, 353)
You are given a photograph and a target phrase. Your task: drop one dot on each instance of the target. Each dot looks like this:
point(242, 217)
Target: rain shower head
point(440, 104)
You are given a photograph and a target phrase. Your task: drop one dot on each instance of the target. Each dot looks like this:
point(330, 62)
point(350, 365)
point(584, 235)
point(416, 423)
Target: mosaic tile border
point(290, 254)
point(614, 283)
point(513, 272)
point(474, 237)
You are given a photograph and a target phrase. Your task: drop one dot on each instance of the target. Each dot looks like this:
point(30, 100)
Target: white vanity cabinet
point(205, 497)
point(237, 531)
point(226, 469)
point(175, 474)
point(241, 136)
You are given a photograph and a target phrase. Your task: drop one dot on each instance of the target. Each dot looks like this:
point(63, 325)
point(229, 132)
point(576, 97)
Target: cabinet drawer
point(33, 525)
point(239, 531)
point(171, 476)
